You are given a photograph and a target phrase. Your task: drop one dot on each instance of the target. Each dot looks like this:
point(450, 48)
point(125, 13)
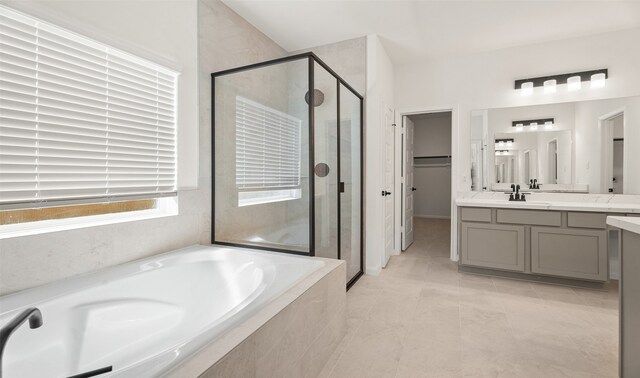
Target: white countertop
point(626, 223)
point(606, 203)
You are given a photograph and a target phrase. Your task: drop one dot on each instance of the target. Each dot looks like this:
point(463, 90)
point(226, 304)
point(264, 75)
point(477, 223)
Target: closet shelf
point(433, 157)
point(431, 165)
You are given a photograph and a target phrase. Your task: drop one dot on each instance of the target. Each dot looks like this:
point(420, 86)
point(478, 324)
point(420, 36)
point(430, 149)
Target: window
point(267, 154)
point(81, 122)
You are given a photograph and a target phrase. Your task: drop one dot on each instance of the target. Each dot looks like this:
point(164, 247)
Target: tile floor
point(421, 318)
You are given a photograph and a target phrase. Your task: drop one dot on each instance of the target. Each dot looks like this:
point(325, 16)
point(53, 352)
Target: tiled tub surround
point(179, 313)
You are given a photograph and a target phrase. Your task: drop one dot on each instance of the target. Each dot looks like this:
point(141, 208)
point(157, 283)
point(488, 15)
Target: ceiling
point(417, 30)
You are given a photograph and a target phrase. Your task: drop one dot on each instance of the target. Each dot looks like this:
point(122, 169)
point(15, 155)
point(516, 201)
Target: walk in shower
point(287, 160)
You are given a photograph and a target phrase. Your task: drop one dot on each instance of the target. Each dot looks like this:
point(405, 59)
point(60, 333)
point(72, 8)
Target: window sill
point(166, 207)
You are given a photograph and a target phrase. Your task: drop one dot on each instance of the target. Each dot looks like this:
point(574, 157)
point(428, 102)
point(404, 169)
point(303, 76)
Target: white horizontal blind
point(79, 120)
point(267, 147)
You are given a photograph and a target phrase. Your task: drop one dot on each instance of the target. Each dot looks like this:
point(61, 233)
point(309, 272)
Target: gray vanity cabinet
point(493, 246)
point(573, 253)
point(630, 305)
point(566, 247)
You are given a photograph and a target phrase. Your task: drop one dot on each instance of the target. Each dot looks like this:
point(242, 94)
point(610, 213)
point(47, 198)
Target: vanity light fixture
point(533, 123)
point(550, 86)
point(574, 83)
point(526, 89)
point(502, 152)
point(573, 80)
point(598, 80)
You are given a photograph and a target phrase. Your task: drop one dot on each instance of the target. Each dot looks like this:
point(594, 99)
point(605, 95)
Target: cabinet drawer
point(569, 253)
point(493, 246)
point(587, 220)
point(532, 217)
point(475, 214)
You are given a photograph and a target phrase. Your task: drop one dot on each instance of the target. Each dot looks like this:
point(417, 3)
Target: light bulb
point(548, 125)
point(574, 83)
point(534, 125)
point(501, 143)
point(509, 143)
point(519, 127)
point(526, 89)
point(598, 80)
point(550, 86)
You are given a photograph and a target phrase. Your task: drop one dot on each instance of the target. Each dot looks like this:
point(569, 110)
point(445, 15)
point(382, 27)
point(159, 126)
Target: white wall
point(226, 40)
point(486, 80)
point(432, 137)
point(380, 95)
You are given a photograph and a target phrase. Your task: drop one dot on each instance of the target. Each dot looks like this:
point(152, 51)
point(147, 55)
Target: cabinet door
point(572, 253)
point(493, 246)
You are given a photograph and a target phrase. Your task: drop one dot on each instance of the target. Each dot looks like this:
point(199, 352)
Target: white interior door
point(389, 150)
point(407, 233)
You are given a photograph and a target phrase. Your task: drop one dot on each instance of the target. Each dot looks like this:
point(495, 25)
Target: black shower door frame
point(312, 58)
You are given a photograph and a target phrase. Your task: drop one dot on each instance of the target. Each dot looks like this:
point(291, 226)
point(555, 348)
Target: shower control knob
point(387, 193)
point(413, 189)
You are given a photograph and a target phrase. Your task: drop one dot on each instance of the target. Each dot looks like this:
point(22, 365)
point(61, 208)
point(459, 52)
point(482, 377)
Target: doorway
point(552, 159)
point(613, 152)
point(425, 174)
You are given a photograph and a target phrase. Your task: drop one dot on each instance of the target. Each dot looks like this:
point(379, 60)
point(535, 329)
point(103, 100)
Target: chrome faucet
point(35, 321)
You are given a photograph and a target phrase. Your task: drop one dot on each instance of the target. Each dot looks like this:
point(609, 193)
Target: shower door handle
point(385, 193)
point(341, 187)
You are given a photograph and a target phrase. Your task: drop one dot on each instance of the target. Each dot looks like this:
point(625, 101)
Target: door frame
point(383, 118)
point(606, 149)
point(455, 149)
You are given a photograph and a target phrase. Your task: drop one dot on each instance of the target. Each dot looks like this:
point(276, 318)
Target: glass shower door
point(337, 172)
point(326, 169)
point(350, 181)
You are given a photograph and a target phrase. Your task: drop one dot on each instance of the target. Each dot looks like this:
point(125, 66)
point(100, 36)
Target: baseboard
point(432, 216)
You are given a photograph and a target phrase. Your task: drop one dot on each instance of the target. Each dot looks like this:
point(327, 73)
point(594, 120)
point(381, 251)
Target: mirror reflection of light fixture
point(502, 142)
point(573, 80)
point(574, 83)
point(550, 86)
point(526, 89)
point(533, 123)
point(598, 80)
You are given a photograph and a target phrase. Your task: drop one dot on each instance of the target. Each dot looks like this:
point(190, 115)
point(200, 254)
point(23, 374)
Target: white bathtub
point(145, 317)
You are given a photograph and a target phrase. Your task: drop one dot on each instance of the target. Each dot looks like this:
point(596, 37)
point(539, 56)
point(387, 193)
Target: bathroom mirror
point(574, 147)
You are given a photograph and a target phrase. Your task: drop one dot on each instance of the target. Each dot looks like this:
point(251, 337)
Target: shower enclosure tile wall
point(268, 120)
